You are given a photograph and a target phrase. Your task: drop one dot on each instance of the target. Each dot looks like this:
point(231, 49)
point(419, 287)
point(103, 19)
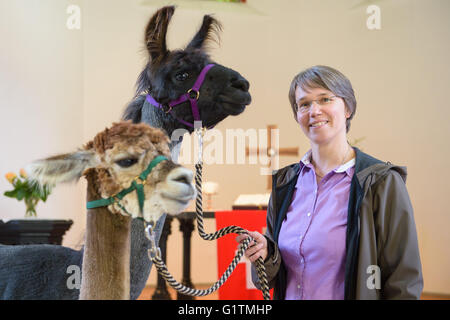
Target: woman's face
point(322, 121)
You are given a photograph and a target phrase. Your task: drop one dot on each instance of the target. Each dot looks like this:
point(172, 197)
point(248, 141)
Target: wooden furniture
point(33, 231)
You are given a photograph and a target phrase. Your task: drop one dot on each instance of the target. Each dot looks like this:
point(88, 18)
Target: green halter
point(139, 187)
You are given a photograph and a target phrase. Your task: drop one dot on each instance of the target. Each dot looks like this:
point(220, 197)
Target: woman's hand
point(257, 248)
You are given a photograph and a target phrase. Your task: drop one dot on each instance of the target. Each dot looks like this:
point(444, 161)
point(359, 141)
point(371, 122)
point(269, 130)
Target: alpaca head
point(111, 162)
point(169, 74)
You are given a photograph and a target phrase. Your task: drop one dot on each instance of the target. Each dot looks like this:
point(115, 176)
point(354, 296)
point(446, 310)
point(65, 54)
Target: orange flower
point(10, 176)
point(23, 173)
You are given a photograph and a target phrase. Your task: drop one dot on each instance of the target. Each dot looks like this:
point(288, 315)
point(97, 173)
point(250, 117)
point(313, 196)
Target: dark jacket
point(380, 232)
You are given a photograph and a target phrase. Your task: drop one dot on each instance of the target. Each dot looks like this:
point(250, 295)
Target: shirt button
point(309, 214)
point(298, 286)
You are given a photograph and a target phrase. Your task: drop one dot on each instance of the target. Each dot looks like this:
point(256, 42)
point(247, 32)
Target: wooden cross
point(272, 152)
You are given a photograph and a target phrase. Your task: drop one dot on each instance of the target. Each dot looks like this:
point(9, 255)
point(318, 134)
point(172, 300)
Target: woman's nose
point(315, 108)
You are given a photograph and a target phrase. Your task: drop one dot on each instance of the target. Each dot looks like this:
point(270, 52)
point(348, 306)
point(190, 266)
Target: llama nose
point(240, 83)
point(181, 175)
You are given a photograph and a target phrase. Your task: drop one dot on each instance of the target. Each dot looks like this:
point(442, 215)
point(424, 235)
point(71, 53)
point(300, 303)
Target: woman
point(340, 223)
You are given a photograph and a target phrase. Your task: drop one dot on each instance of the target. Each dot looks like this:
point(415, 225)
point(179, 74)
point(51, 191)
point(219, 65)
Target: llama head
point(169, 74)
point(113, 160)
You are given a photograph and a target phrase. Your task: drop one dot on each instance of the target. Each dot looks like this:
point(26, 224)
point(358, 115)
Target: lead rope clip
point(154, 250)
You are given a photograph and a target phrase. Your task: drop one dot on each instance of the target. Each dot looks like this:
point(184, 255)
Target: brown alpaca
point(110, 163)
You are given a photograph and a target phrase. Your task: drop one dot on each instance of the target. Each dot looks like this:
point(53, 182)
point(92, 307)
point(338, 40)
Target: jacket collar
point(367, 165)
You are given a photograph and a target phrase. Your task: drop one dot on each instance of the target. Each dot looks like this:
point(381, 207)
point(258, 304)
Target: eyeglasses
point(305, 106)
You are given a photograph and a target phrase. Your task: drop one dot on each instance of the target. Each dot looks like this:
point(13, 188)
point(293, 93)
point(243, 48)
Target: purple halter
point(192, 95)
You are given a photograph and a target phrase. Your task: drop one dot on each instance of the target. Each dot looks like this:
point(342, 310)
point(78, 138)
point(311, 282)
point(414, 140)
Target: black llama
point(169, 75)
point(211, 91)
point(50, 271)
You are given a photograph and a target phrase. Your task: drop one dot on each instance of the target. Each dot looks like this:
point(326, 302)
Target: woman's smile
point(318, 124)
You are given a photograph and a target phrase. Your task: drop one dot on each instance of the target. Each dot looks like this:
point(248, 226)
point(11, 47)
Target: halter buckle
point(195, 92)
point(115, 198)
point(168, 110)
point(143, 182)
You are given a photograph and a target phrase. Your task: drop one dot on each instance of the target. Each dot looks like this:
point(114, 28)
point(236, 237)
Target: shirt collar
point(306, 161)
point(306, 158)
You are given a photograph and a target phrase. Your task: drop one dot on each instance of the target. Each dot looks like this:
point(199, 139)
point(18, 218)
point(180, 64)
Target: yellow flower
point(10, 176)
point(23, 173)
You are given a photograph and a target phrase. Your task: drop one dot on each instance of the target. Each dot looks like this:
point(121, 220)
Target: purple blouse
point(312, 236)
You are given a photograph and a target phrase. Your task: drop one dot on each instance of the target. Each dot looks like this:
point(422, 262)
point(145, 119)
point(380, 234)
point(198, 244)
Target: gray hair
point(326, 78)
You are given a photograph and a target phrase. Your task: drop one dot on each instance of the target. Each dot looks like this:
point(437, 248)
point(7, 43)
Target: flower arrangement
point(27, 190)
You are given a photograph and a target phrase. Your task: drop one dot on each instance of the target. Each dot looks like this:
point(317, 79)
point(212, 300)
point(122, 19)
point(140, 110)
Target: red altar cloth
point(239, 285)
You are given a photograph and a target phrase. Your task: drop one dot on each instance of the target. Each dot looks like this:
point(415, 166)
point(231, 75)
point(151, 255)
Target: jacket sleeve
point(273, 260)
point(401, 270)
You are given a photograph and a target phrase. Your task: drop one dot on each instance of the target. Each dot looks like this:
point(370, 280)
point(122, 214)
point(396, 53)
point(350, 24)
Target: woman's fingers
point(254, 252)
point(257, 248)
point(241, 237)
point(257, 236)
point(254, 234)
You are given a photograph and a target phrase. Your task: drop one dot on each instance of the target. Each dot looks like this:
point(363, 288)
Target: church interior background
point(60, 85)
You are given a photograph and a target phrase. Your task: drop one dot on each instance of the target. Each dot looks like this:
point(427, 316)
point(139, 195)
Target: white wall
point(400, 74)
point(41, 101)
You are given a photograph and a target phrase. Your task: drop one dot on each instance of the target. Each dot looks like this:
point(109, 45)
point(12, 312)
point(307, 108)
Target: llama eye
point(181, 76)
point(126, 163)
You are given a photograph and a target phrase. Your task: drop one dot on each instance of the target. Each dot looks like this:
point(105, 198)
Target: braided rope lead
point(260, 268)
point(162, 269)
point(155, 254)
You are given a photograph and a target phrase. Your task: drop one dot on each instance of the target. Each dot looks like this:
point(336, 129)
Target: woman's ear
point(348, 113)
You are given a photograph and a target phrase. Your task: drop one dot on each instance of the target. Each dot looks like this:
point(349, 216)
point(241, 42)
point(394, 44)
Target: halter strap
point(139, 187)
point(191, 95)
point(201, 77)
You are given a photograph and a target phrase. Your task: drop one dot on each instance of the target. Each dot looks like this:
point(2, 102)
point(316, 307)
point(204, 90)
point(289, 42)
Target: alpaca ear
point(209, 32)
point(156, 31)
point(62, 168)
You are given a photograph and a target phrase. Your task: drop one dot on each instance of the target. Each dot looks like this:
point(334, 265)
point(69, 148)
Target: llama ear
point(62, 168)
point(156, 31)
point(209, 31)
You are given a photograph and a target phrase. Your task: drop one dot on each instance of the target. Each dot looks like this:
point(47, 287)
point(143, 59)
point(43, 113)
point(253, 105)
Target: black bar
point(186, 226)
point(161, 292)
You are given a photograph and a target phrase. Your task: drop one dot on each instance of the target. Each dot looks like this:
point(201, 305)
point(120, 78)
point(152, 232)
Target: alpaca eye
point(126, 163)
point(182, 76)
